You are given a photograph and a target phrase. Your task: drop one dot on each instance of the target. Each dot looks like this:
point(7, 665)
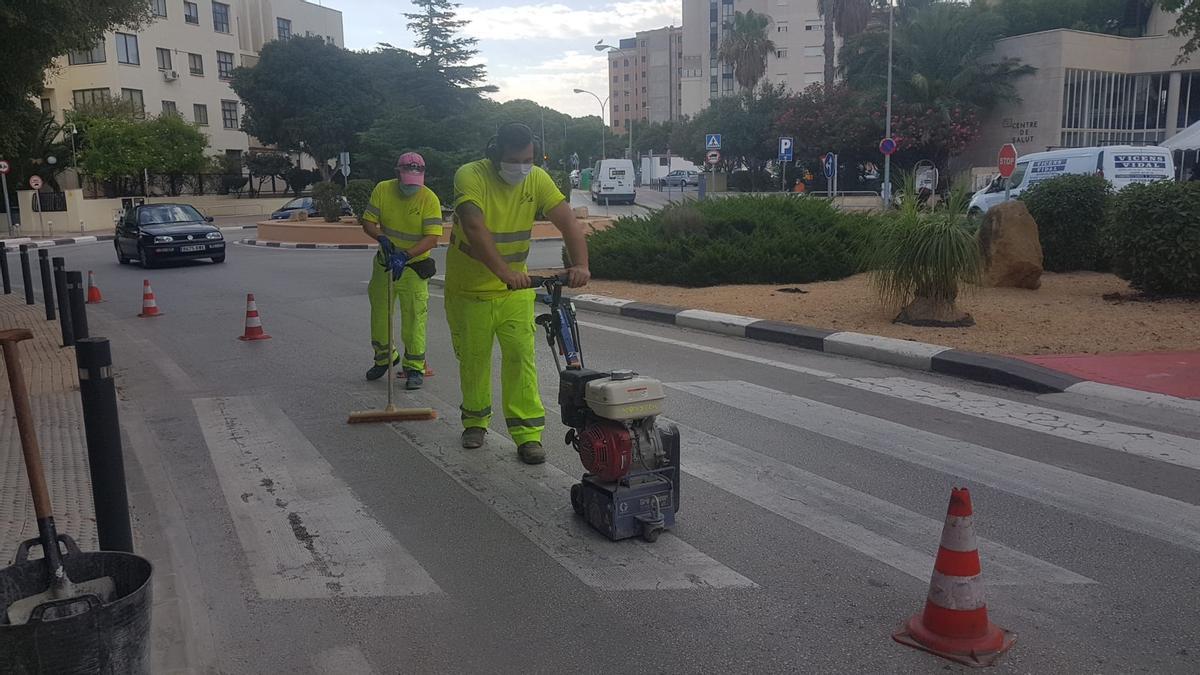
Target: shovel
point(61, 587)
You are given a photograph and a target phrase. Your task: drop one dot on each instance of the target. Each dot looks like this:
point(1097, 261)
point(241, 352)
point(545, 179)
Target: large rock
point(1012, 252)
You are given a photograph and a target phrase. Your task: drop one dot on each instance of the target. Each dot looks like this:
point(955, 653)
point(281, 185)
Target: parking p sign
point(785, 149)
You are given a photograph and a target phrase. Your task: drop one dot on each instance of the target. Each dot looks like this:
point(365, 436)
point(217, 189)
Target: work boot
point(472, 437)
point(532, 452)
point(377, 371)
point(415, 379)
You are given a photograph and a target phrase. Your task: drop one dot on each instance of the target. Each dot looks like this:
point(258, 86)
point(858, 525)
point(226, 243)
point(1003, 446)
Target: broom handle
point(29, 442)
point(391, 340)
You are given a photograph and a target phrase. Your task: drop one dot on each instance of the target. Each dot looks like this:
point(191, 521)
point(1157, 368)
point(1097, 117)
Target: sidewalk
point(1171, 373)
point(53, 383)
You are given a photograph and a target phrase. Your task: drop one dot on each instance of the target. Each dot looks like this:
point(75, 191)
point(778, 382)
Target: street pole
point(64, 302)
point(47, 283)
point(26, 277)
point(102, 429)
point(887, 159)
point(79, 323)
point(7, 280)
point(7, 206)
point(603, 126)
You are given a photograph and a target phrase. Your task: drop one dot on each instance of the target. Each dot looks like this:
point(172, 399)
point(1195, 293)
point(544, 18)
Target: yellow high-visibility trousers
point(411, 292)
point(474, 326)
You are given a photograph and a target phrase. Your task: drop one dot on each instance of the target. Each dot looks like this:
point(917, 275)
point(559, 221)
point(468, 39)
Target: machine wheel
point(120, 258)
point(650, 533)
point(576, 501)
point(144, 258)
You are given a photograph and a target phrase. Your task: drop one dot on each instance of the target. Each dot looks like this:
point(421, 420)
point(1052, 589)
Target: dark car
point(680, 178)
point(152, 233)
point(307, 205)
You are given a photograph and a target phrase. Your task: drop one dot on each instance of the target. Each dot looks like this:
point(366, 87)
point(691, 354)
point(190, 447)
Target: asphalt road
point(814, 495)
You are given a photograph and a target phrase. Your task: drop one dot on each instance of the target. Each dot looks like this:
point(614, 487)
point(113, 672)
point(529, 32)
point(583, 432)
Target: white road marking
point(304, 533)
point(1127, 395)
point(536, 501)
point(342, 661)
point(1163, 518)
point(1155, 445)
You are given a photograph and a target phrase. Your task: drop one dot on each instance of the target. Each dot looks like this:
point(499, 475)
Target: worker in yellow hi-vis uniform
point(495, 201)
point(406, 218)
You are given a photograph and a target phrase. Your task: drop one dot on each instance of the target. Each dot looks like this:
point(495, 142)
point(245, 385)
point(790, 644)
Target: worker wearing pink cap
point(405, 217)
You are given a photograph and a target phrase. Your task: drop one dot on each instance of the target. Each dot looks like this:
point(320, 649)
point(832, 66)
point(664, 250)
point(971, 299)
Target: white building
point(181, 61)
point(796, 28)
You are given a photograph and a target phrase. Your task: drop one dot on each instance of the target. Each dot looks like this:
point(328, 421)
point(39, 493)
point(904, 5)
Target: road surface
point(814, 493)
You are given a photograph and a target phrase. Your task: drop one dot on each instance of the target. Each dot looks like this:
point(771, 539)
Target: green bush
point(358, 193)
point(326, 196)
point(743, 240)
point(1070, 212)
point(1153, 237)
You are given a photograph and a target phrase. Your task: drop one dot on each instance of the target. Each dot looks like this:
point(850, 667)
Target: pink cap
point(405, 166)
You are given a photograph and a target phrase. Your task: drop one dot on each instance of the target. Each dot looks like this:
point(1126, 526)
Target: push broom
point(391, 413)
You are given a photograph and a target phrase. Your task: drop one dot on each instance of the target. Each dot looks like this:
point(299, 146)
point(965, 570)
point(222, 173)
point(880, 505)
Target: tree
point(848, 18)
point(121, 146)
point(746, 47)
point(1187, 25)
point(437, 27)
point(1116, 17)
point(264, 165)
point(305, 95)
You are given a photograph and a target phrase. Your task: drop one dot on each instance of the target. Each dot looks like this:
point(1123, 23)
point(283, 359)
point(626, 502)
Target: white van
point(1120, 164)
point(612, 181)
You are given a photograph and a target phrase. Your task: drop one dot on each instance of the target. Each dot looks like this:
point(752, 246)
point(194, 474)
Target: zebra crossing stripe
point(1145, 513)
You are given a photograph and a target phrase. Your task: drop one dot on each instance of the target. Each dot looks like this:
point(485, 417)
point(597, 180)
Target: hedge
point(1153, 237)
point(1070, 213)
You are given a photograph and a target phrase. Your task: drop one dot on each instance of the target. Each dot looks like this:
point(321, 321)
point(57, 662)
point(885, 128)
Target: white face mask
point(513, 174)
point(409, 190)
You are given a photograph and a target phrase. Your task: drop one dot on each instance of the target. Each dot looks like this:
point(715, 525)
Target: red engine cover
point(605, 449)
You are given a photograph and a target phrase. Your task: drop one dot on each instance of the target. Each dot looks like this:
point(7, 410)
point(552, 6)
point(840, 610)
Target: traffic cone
point(93, 297)
point(254, 329)
point(428, 370)
point(954, 624)
point(149, 304)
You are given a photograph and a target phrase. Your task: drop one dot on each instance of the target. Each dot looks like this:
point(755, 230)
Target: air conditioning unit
point(170, 75)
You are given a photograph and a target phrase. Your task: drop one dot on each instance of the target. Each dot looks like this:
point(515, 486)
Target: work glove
point(396, 263)
point(386, 246)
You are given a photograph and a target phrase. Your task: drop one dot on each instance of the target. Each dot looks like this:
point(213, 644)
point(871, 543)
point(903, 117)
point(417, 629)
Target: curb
point(16, 244)
point(987, 368)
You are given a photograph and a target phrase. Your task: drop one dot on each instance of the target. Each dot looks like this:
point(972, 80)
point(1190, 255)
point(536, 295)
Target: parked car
point(1120, 164)
point(152, 233)
point(680, 178)
point(307, 205)
point(612, 181)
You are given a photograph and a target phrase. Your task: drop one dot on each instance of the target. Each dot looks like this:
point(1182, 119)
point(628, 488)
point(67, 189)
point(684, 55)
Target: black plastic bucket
point(88, 637)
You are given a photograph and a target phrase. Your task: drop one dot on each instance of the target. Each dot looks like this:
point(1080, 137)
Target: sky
point(539, 50)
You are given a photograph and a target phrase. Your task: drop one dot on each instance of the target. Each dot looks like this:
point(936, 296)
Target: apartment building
point(644, 78)
point(182, 61)
point(796, 28)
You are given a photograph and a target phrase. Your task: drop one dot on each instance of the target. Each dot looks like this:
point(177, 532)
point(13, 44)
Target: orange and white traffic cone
point(955, 624)
point(93, 296)
point(254, 329)
point(149, 303)
point(428, 370)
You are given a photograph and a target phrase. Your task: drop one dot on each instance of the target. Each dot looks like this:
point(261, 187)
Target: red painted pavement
point(1172, 373)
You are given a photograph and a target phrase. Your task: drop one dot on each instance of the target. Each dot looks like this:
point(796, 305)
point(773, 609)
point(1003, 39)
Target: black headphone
point(492, 151)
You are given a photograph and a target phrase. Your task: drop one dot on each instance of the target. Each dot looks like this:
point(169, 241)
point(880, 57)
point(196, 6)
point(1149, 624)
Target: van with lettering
point(1122, 165)
point(613, 181)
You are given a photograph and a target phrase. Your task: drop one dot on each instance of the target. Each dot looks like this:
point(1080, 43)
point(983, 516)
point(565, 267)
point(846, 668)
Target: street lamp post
point(603, 107)
point(887, 159)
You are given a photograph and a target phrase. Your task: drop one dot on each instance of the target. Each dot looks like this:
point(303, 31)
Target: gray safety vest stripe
point(534, 422)
point(402, 236)
point(463, 246)
point(475, 414)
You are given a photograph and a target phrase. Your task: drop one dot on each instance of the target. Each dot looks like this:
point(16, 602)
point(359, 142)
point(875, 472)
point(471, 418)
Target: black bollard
point(79, 325)
point(64, 303)
point(4, 269)
point(103, 431)
point(47, 284)
point(26, 276)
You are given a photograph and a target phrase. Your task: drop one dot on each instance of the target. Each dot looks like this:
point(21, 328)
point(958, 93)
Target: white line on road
point(304, 533)
point(342, 661)
point(1163, 518)
point(535, 500)
point(1155, 445)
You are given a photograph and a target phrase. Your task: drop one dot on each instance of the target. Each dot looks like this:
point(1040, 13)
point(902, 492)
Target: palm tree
point(848, 18)
point(746, 47)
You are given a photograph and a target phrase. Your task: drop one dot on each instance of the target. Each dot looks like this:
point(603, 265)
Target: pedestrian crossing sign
point(712, 141)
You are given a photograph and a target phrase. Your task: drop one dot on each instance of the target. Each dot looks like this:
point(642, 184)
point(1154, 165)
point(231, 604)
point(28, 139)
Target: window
point(627, 123)
point(626, 77)
point(283, 28)
point(817, 50)
point(159, 7)
point(169, 108)
point(814, 25)
point(127, 49)
point(616, 78)
point(83, 97)
point(164, 58)
point(200, 112)
point(781, 27)
point(46, 105)
point(229, 114)
point(134, 96)
point(626, 107)
point(224, 65)
point(220, 17)
point(781, 53)
point(626, 63)
point(191, 13)
point(94, 55)
point(195, 64)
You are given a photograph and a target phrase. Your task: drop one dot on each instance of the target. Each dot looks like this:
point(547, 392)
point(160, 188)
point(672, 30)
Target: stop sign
point(1007, 160)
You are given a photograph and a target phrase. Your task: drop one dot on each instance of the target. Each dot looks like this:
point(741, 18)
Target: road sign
point(712, 141)
point(785, 148)
point(713, 156)
point(4, 168)
point(887, 147)
point(35, 182)
point(1008, 160)
point(830, 163)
